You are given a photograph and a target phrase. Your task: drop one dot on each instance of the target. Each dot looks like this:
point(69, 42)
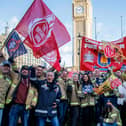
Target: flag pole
point(121, 26)
point(95, 28)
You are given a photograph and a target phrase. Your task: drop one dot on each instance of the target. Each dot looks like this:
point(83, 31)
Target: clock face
point(79, 10)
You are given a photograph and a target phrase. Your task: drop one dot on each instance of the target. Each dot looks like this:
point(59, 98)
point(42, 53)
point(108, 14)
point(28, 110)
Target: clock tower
point(82, 24)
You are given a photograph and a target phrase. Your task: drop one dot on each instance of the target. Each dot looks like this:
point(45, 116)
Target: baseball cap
point(6, 63)
point(25, 67)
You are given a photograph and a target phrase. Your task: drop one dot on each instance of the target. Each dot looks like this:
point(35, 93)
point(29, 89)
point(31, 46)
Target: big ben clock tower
point(82, 24)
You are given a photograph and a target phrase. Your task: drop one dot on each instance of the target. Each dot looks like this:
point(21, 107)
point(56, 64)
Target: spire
point(6, 29)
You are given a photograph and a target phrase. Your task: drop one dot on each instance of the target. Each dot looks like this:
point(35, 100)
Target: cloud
point(66, 60)
point(66, 54)
point(68, 27)
point(13, 22)
point(99, 27)
point(66, 50)
point(2, 26)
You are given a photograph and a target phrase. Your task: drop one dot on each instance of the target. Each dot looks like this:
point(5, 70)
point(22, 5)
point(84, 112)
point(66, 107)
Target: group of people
point(35, 96)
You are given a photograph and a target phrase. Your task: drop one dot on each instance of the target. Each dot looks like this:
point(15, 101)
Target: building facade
point(28, 59)
point(82, 26)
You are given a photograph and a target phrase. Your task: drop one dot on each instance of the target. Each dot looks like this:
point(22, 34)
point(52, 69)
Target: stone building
point(82, 26)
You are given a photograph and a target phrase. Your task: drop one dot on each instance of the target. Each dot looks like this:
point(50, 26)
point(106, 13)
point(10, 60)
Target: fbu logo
point(40, 29)
point(109, 51)
point(13, 45)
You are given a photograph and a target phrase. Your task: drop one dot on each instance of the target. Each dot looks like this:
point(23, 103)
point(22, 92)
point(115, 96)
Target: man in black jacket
point(48, 98)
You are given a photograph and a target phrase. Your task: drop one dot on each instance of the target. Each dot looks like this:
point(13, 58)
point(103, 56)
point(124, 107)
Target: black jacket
point(48, 94)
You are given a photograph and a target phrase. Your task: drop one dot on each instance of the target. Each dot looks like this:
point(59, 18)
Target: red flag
point(53, 59)
point(41, 29)
point(93, 55)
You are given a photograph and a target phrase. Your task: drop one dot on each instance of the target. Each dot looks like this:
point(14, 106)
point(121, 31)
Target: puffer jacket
point(48, 95)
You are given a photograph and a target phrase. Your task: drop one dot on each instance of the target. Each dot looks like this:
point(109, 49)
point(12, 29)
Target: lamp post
point(95, 28)
point(79, 37)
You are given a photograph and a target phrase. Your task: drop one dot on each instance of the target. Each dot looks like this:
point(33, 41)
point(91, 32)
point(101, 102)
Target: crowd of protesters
point(36, 96)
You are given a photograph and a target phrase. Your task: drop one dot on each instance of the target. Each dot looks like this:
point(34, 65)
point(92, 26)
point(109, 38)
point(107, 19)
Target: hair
point(41, 66)
point(74, 74)
point(78, 83)
point(89, 80)
point(106, 110)
point(24, 67)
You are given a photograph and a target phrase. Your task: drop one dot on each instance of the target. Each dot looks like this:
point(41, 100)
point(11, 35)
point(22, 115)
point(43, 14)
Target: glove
point(11, 59)
point(32, 69)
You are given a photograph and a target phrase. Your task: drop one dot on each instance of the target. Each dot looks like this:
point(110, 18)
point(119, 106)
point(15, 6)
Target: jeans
point(87, 116)
point(62, 109)
point(74, 115)
point(108, 124)
point(41, 121)
point(16, 111)
point(1, 114)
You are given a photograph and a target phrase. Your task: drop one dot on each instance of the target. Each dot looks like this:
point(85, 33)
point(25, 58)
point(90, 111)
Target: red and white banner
point(96, 54)
point(111, 83)
point(37, 25)
point(115, 83)
point(42, 30)
point(53, 59)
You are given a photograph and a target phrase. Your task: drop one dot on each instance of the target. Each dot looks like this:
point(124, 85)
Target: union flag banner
point(111, 83)
point(42, 30)
point(14, 45)
point(96, 54)
point(53, 58)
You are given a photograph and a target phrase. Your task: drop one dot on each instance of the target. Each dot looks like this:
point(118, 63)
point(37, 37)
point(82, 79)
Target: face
point(64, 74)
point(85, 78)
point(5, 69)
point(97, 72)
point(24, 72)
point(39, 71)
point(90, 74)
point(50, 77)
point(75, 77)
point(118, 73)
